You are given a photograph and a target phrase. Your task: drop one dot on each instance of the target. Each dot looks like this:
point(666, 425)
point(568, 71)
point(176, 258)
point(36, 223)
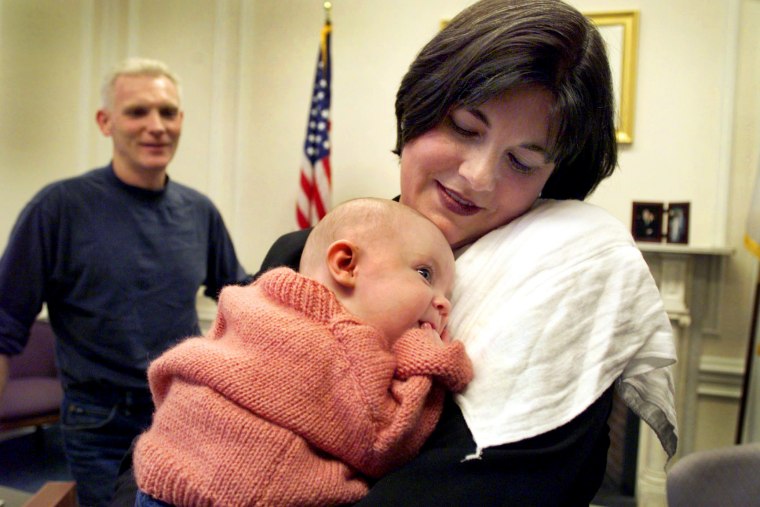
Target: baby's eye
point(425, 273)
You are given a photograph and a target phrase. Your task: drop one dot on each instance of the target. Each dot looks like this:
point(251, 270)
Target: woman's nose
point(480, 171)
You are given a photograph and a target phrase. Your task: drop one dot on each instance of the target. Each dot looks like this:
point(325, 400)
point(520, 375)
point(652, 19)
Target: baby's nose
point(443, 306)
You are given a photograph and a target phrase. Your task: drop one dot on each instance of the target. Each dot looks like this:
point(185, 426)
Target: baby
point(308, 385)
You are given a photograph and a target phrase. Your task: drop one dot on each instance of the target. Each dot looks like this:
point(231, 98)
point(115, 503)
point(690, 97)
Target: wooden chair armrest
point(54, 494)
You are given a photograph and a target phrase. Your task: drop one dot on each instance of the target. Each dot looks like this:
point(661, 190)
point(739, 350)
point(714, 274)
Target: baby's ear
point(341, 262)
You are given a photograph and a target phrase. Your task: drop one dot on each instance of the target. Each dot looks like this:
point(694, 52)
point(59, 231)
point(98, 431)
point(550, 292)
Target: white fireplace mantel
point(690, 280)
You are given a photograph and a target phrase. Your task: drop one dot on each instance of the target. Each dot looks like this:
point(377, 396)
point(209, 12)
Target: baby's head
point(386, 263)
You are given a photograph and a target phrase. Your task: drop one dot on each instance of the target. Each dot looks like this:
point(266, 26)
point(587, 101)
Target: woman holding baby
point(505, 124)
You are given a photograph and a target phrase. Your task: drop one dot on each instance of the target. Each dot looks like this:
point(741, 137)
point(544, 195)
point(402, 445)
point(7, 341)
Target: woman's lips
point(455, 202)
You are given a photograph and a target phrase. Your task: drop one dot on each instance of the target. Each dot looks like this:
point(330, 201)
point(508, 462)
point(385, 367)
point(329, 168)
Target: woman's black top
point(563, 467)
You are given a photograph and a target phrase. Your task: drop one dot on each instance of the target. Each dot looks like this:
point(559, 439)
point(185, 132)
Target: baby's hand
point(433, 335)
point(425, 352)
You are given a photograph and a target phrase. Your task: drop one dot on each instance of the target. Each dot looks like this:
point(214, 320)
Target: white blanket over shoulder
point(553, 308)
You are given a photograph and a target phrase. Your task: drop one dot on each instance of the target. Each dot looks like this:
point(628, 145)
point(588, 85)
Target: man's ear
point(103, 118)
point(341, 262)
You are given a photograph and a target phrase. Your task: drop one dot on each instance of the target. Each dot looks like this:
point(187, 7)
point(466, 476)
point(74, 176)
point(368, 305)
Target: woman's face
point(482, 167)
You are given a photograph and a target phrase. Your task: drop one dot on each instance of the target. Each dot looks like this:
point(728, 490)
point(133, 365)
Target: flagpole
point(315, 175)
point(328, 7)
point(748, 365)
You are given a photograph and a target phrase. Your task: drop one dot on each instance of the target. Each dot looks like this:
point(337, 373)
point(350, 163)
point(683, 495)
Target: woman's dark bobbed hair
point(495, 46)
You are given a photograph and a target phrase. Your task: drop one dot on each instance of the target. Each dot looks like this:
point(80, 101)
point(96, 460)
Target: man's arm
point(23, 268)
point(223, 266)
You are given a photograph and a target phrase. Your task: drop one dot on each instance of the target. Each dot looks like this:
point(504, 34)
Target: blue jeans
point(145, 500)
point(99, 424)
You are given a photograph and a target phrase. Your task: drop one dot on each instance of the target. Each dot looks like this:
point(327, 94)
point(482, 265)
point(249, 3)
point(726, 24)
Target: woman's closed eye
point(461, 129)
point(518, 165)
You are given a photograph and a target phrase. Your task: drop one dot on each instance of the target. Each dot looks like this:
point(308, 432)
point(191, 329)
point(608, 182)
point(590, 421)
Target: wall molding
point(720, 377)
point(86, 90)
point(727, 116)
point(225, 110)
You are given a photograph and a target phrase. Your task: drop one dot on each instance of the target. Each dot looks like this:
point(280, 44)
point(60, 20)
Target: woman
point(512, 101)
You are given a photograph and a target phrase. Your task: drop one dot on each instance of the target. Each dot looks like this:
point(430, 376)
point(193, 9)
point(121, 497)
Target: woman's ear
point(341, 262)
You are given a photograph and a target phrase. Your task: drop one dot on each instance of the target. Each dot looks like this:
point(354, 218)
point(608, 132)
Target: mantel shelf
point(670, 248)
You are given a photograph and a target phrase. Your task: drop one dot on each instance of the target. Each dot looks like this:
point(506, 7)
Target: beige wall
point(247, 67)
point(741, 272)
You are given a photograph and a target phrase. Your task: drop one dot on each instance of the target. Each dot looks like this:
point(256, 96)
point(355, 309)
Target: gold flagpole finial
point(328, 8)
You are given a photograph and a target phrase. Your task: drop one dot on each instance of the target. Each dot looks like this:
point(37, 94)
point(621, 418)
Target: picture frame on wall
point(620, 31)
point(678, 223)
point(646, 224)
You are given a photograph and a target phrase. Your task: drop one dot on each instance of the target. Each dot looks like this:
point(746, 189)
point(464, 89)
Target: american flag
point(316, 181)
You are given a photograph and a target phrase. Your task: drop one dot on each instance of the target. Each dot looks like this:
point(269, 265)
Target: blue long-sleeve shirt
point(119, 268)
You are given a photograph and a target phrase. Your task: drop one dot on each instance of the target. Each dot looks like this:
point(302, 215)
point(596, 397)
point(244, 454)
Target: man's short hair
point(136, 66)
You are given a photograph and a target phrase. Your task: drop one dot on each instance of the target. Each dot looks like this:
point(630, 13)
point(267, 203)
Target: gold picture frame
point(620, 31)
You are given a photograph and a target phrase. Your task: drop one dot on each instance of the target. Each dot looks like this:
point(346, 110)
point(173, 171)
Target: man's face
point(145, 121)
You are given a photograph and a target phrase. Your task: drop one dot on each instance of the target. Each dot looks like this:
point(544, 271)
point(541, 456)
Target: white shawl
point(553, 308)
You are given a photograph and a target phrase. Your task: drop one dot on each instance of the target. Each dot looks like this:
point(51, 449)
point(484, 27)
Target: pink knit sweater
point(289, 400)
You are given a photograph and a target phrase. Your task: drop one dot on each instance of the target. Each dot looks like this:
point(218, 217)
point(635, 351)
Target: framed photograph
point(620, 31)
point(647, 221)
point(678, 222)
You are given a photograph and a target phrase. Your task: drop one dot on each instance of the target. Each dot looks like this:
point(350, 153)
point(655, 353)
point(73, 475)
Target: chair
point(54, 494)
point(726, 476)
point(33, 393)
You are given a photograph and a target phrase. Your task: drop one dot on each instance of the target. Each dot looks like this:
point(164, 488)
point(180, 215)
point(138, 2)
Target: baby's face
point(406, 280)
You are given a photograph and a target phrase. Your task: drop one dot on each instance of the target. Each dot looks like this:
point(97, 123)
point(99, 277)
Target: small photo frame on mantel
point(678, 222)
point(646, 224)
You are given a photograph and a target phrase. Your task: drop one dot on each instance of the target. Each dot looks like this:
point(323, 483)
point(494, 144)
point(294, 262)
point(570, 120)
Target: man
point(118, 254)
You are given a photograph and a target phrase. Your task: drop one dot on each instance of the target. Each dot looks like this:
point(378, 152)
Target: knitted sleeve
point(402, 406)
point(448, 365)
